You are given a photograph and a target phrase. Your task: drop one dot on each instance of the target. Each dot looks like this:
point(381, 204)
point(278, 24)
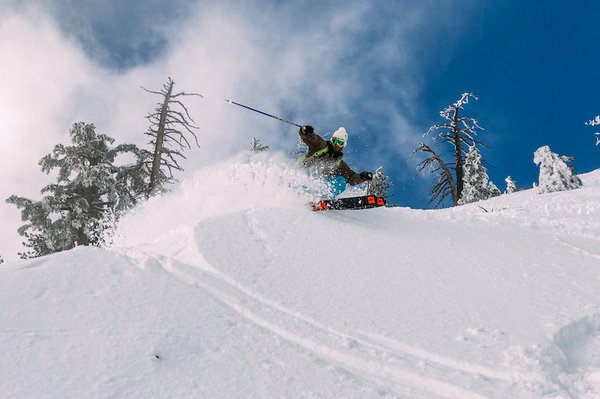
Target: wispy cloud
point(316, 63)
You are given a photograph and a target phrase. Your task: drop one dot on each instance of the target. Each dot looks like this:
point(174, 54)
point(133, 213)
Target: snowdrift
point(230, 287)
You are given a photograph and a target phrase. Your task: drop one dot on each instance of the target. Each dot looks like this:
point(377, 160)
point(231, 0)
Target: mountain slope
point(230, 287)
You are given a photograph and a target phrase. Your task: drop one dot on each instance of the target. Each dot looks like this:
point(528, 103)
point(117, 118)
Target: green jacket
point(322, 156)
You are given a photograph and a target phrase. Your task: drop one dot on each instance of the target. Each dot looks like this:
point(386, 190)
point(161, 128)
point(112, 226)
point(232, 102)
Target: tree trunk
point(460, 173)
point(90, 195)
point(160, 138)
point(458, 155)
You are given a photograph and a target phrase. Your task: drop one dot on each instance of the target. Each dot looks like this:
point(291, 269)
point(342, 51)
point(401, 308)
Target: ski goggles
point(336, 141)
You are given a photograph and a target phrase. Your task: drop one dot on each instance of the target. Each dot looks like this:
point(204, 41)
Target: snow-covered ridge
point(230, 287)
point(574, 212)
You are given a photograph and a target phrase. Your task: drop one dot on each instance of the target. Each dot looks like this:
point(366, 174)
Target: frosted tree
point(380, 184)
point(511, 185)
point(460, 132)
point(595, 122)
point(170, 123)
point(555, 174)
point(476, 183)
point(570, 162)
point(88, 186)
point(256, 145)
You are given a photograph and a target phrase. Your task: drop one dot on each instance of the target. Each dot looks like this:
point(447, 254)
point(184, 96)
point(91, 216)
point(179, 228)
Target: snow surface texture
point(230, 287)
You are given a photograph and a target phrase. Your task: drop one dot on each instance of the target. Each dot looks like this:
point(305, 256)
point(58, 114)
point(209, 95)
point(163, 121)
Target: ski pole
point(261, 112)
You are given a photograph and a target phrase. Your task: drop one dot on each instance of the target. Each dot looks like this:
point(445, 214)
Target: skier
point(326, 157)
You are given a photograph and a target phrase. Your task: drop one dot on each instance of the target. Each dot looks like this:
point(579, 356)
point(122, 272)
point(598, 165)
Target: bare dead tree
point(169, 124)
point(460, 132)
point(257, 146)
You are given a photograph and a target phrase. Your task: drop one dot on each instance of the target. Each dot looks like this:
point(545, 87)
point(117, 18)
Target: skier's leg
point(337, 185)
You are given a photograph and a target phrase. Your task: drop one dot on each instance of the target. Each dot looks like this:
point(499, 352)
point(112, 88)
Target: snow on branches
point(511, 185)
point(595, 122)
point(476, 183)
point(460, 132)
point(458, 129)
point(90, 193)
point(555, 174)
point(380, 184)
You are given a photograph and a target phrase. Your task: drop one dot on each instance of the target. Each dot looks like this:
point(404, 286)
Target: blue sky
point(533, 65)
point(381, 69)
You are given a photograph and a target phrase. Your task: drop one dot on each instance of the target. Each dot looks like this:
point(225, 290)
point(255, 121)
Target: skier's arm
point(312, 140)
point(351, 176)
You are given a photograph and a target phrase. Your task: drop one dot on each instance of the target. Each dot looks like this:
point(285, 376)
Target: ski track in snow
point(380, 360)
point(565, 366)
point(579, 249)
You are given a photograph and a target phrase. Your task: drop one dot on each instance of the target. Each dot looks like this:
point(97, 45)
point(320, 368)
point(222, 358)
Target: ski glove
point(307, 129)
point(366, 175)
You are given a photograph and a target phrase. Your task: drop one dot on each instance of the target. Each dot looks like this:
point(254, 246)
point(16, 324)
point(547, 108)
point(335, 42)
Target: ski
point(363, 202)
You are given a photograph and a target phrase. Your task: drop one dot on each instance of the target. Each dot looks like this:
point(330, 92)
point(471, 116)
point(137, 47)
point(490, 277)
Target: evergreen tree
point(511, 185)
point(569, 161)
point(257, 146)
point(1, 260)
point(90, 190)
point(595, 122)
point(555, 174)
point(476, 184)
point(459, 131)
point(380, 184)
point(167, 125)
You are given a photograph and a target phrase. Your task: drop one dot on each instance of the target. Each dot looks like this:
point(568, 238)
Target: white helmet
point(341, 135)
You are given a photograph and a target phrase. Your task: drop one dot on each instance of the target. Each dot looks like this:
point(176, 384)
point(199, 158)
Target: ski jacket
point(325, 159)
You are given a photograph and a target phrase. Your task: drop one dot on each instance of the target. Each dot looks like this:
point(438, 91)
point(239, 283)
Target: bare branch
point(445, 184)
point(169, 124)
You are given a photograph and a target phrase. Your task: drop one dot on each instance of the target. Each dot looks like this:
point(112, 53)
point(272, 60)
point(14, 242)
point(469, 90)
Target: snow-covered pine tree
point(380, 184)
point(569, 161)
point(257, 146)
point(476, 184)
point(555, 174)
point(167, 125)
point(1, 260)
point(595, 122)
point(511, 185)
point(88, 186)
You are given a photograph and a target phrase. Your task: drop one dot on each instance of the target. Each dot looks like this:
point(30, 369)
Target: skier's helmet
point(340, 137)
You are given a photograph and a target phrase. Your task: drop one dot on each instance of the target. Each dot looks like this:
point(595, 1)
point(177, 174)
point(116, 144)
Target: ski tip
point(319, 206)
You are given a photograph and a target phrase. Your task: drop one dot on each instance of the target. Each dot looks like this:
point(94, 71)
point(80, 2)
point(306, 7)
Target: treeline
point(92, 191)
point(462, 178)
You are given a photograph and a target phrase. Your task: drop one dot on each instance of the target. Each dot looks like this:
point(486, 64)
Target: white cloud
point(42, 73)
point(313, 65)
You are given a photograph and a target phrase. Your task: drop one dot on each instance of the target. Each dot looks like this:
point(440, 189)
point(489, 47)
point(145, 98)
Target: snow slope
point(230, 288)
